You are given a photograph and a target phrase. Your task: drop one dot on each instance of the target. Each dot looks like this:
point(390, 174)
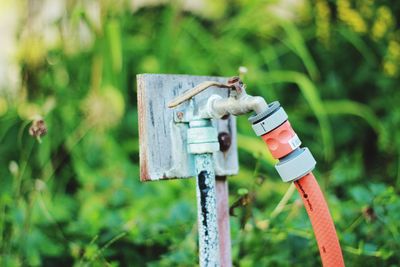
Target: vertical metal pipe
point(207, 211)
point(224, 230)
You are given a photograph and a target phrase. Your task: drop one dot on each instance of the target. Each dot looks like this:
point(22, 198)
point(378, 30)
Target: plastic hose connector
point(282, 140)
point(295, 165)
point(283, 143)
point(268, 120)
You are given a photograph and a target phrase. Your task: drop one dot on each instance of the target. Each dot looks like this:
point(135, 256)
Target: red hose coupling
point(282, 140)
point(274, 128)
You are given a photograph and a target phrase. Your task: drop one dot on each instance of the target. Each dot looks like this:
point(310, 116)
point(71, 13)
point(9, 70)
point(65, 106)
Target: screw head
point(225, 141)
point(179, 115)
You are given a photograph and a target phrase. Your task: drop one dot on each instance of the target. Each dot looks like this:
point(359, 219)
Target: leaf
point(358, 43)
point(361, 195)
point(114, 42)
point(348, 107)
point(296, 43)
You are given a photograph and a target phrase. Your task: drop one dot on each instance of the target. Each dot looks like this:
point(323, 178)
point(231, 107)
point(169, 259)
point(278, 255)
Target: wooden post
point(223, 221)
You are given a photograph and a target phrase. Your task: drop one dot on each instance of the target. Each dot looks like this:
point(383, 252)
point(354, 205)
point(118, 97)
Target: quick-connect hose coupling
point(283, 143)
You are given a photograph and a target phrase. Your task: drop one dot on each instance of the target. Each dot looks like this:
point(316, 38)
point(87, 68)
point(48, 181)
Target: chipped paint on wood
point(163, 143)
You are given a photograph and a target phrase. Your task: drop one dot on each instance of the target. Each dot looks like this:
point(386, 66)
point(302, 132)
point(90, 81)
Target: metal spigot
point(238, 102)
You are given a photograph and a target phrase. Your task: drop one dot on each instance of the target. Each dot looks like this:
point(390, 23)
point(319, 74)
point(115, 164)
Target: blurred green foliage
point(74, 199)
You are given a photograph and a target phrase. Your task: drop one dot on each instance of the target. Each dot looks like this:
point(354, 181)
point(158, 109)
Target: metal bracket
point(163, 133)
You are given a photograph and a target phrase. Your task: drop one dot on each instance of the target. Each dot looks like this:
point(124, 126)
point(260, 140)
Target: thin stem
point(284, 200)
point(354, 224)
point(398, 170)
point(24, 164)
point(81, 131)
point(106, 245)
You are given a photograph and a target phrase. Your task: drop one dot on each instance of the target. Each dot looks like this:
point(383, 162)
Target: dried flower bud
point(369, 213)
point(13, 168)
point(38, 128)
point(242, 70)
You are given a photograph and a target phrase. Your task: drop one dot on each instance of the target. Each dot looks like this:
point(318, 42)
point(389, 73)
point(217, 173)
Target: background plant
point(75, 197)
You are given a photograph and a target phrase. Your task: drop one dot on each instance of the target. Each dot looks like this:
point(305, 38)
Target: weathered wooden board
point(163, 145)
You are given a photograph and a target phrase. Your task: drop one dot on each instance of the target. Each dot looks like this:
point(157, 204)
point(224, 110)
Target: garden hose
point(296, 165)
point(321, 220)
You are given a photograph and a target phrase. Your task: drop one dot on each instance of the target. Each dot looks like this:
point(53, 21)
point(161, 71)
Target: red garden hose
point(322, 223)
point(296, 165)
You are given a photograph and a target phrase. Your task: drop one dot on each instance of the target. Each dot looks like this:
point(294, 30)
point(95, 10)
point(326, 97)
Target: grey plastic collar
point(297, 164)
point(272, 107)
point(271, 122)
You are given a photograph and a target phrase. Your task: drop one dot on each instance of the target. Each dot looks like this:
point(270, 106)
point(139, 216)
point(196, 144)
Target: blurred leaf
point(348, 107)
point(114, 41)
point(297, 44)
point(358, 43)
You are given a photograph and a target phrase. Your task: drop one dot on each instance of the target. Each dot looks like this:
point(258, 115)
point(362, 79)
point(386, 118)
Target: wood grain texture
point(163, 145)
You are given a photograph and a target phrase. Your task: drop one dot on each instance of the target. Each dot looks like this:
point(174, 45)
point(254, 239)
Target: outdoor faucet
point(216, 107)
